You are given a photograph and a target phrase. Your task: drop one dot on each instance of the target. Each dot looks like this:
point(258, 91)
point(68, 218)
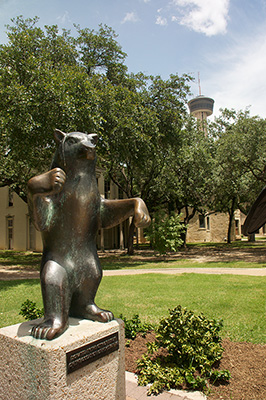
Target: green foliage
point(50, 79)
point(30, 311)
point(191, 346)
point(165, 232)
point(134, 326)
point(239, 171)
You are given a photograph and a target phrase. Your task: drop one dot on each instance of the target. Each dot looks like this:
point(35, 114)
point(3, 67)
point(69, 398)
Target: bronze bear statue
point(65, 205)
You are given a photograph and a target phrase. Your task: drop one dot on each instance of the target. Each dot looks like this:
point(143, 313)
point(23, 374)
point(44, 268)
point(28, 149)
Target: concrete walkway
point(16, 273)
point(213, 271)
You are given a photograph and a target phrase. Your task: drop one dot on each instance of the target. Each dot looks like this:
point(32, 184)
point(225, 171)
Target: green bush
point(184, 353)
point(134, 326)
point(30, 311)
point(165, 232)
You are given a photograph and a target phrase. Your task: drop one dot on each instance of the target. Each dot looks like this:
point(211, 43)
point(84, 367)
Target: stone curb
point(135, 392)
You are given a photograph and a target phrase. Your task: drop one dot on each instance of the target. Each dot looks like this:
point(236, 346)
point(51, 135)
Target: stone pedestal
point(87, 362)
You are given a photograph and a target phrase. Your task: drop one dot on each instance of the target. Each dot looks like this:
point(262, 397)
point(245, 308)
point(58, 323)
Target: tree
point(239, 162)
point(143, 118)
point(47, 81)
point(50, 79)
point(99, 51)
point(187, 182)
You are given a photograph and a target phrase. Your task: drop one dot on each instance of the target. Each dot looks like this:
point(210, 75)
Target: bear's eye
point(71, 141)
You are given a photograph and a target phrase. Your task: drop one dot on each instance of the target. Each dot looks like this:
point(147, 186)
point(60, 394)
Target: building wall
point(26, 237)
point(18, 213)
point(212, 229)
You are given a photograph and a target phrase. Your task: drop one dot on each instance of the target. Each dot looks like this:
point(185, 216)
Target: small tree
point(165, 232)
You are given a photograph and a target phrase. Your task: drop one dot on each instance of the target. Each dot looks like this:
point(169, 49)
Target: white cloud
point(63, 19)
point(130, 17)
point(161, 21)
point(204, 16)
point(237, 77)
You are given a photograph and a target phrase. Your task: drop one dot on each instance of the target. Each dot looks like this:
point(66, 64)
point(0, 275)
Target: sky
point(222, 42)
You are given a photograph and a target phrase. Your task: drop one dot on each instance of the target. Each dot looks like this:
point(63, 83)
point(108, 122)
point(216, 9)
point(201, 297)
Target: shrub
point(165, 232)
point(184, 353)
point(30, 311)
point(134, 326)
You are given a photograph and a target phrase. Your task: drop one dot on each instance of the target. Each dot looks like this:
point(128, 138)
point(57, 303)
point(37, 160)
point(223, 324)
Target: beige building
point(211, 227)
point(18, 233)
point(16, 230)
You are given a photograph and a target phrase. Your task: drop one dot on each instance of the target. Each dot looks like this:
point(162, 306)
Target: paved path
point(15, 273)
point(214, 271)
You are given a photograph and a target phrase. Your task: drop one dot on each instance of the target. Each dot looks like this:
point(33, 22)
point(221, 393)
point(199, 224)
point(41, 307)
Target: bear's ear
point(94, 137)
point(59, 135)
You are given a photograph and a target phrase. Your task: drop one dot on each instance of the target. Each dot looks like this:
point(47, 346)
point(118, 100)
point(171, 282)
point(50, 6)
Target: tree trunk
point(231, 217)
point(130, 249)
point(251, 238)
point(184, 238)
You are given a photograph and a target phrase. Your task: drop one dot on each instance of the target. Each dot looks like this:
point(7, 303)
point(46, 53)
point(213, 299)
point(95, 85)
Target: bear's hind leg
point(83, 301)
point(94, 313)
point(56, 298)
point(83, 305)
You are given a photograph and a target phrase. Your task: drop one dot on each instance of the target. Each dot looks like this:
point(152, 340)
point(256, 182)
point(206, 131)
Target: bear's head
point(74, 147)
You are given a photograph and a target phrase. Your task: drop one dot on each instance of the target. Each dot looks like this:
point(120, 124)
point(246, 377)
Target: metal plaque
point(84, 355)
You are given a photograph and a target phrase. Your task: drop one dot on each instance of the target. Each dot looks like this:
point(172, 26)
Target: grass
point(13, 294)
point(238, 300)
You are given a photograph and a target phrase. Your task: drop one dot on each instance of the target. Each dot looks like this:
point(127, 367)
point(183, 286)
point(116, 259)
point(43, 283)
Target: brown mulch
point(245, 361)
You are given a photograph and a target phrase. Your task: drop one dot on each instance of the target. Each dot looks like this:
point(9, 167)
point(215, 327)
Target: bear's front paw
point(142, 217)
point(57, 179)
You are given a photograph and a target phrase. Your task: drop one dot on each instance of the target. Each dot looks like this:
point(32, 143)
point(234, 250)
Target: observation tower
point(201, 107)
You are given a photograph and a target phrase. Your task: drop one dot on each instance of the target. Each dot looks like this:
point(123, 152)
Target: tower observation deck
point(201, 107)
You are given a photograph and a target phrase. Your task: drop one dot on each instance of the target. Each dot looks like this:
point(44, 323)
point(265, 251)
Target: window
point(237, 226)
point(10, 232)
point(202, 222)
point(107, 189)
point(10, 198)
point(30, 235)
point(208, 222)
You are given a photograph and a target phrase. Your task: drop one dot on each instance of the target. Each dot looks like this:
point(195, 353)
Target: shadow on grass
point(6, 285)
point(10, 257)
point(239, 244)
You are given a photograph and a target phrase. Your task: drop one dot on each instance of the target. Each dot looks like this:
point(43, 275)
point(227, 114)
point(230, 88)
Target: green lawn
point(13, 294)
point(239, 300)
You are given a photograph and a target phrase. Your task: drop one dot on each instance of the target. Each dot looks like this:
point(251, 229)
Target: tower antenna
point(199, 83)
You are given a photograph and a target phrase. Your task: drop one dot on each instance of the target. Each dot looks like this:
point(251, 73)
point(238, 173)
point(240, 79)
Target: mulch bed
point(245, 361)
